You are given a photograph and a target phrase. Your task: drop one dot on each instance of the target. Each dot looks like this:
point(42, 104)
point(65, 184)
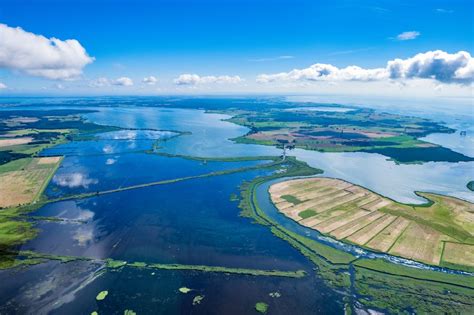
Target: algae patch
point(198, 299)
point(185, 290)
point(261, 307)
point(101, 296)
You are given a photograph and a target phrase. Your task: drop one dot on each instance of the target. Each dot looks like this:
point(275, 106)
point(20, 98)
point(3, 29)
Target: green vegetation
point(261, 307)
point(43, 129)
point(233, 197)
point(241, 271)
point(102, 295)
point(137, 264)
point(379, 265)
point(15, 232)
point(185, 290)
point(362, 130)
point(307, 214)
point(14, 259)
point(129, 312)
point(332, 255)
point(115, 264)
point(291, 199)
point(425, 292)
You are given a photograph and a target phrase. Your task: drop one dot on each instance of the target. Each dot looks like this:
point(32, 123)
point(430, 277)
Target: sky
point(364, 48)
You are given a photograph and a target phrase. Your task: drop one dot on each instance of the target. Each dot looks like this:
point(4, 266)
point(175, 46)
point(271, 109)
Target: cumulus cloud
point(123, 81)
point(194, 79)
point(101, 82)
point(37, 55)
point(325, 72)
point(74, 180)
point(2, 86)
point(436, 65)
point(408, 35)
point(151, 80)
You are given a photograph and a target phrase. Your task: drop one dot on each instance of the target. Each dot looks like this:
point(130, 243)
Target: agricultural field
point(24, 133)
point(440, 232)
point(354, 130)
point(23, 181)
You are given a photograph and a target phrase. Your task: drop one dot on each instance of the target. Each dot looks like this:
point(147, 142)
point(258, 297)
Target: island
point(344, 129)
point(440, 232)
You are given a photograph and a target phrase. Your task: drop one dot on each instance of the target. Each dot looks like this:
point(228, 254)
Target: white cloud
point(325, 72)
point(37, 55)
point(194, 79)
point(2, 86)
point(408, 35)
point(151, 80)
point(101, 82)
point(436, 65)
point(123, 81)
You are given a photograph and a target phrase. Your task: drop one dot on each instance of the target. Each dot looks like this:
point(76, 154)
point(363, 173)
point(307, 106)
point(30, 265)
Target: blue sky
point(164, 39)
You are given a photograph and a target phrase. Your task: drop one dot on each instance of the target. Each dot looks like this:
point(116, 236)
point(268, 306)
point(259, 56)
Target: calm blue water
point(89, 173)
point(210, 137)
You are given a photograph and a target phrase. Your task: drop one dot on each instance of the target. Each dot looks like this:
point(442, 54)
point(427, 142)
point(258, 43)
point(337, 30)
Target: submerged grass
point(30, 257)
